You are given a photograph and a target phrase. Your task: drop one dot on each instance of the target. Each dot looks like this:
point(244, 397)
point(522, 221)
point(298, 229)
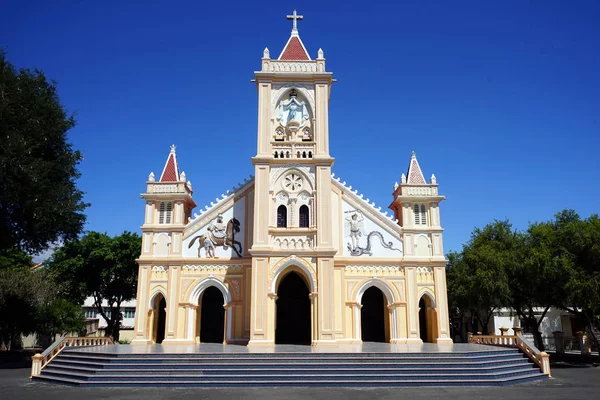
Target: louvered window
point(420, 214)
point(165, 210)
point(417, 215)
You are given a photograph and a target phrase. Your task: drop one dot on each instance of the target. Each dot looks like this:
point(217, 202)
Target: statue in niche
point(219, 234)
point(293, 114)
point(354, 228)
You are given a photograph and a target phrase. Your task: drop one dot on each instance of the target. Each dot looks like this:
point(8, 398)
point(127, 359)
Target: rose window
point(292, 182)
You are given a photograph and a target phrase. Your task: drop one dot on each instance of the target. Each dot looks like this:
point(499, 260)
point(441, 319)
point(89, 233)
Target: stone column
point(171, 331)
point(412, 306)
point(441, 293)
point(141, 331)
point(261, 327)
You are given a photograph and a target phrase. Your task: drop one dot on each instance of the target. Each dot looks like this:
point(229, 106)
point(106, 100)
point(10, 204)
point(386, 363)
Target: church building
point(293, 255)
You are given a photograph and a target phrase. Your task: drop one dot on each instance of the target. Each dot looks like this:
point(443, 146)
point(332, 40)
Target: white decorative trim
point(353, 195)
point(159, 268)
point(427, 292)
point(307, 171)
point(156, 293)
point(374, 268)
point(300, 263)
point(220, 268)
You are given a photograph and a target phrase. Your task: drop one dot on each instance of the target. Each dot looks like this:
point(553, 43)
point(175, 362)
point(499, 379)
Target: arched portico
point(428, 326)
point(293, 310)
point(195, 297)
point(390, 320)
point(157, 316)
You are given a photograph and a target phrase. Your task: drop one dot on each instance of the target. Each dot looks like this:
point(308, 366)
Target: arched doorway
point(372, 315)
point(293, 311)
point(427, 319)
point(159, 313)
point(212, 316)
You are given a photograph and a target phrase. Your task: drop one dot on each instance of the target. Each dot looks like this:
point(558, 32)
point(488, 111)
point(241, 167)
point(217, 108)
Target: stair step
point(303, 383)
point(307, 377)
point(270, 370)
point(291, 365)
point(292, 369)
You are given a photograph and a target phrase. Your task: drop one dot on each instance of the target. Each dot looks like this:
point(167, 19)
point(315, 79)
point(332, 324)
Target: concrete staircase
point(481, 368)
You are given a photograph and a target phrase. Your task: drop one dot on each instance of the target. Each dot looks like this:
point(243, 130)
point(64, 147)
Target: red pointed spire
point(414, 174)
point(294, 49)
point(171, 170)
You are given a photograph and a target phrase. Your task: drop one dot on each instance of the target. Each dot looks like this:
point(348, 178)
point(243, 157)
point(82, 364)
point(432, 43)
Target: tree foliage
point(477, 284)
point(30, 303)
point(100, 266)
point(552, 264)
point(39, 201)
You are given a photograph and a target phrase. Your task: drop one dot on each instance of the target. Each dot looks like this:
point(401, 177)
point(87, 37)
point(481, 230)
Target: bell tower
point(292, 198)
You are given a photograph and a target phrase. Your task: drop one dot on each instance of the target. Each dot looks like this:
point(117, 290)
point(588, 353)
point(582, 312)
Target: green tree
point(39, 201)
point(537, 277)
point(477, 280)
point(100, 266)
point(580, 241)
point(18, 305)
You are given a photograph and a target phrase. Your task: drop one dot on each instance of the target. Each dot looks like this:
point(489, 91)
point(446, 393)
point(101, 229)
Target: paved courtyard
point(568, 383)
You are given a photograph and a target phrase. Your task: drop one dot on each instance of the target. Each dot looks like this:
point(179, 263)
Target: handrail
point(540, 358)
point(39, 361)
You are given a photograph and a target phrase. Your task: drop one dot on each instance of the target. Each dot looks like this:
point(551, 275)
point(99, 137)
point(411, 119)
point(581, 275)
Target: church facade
point(292, 255)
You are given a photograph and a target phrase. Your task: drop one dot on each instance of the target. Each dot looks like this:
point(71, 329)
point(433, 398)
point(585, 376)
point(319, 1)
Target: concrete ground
point(567, 383)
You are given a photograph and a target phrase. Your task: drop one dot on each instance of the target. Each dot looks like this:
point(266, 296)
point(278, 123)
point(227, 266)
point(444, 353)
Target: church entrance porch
point(212, 316)
point(159, 317)
point(427, 320)
point(373, 316)
point(293, 322)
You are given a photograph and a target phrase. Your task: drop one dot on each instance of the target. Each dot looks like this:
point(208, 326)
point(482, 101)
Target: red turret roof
point(294, 50)
point(414, 176)
point(171, 170)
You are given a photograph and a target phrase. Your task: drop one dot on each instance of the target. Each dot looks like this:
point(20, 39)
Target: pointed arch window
point(165, 210)
point(420, 214)
point(304, 219)
point(282, 216)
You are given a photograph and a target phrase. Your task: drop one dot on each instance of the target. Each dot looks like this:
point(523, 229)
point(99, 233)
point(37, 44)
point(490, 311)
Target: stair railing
point(39, 361)
point(540, 358)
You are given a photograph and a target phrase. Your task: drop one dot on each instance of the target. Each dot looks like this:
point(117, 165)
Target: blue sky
point(500, 100)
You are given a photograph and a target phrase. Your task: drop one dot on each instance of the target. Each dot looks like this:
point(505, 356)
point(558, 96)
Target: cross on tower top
point(295, 17)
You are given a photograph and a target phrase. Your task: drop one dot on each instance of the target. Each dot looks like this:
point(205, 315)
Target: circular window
point(292, 182)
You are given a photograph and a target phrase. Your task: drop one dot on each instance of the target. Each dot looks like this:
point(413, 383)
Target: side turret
point(416, 207)
point(169, 205)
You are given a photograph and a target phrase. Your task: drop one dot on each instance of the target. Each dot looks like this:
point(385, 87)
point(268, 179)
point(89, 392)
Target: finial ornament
point(266, 53)
point(173, 148)
point(395, 185)
point(433, 179)
point(182, 176)
point(413, 155)
point(151, 177)
point(295, 17)
point(403, 179)
point(320, 54)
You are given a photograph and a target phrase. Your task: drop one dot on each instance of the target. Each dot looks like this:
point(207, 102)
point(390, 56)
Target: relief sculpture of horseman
point(219, 234)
